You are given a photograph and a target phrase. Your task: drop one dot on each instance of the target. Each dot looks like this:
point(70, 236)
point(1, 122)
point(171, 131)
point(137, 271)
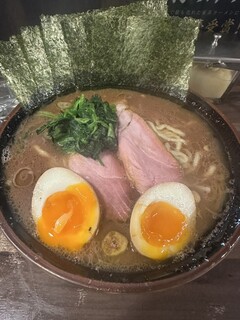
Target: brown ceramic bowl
point(208, 252)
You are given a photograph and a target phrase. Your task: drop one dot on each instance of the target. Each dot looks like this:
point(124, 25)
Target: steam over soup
point(160, 185)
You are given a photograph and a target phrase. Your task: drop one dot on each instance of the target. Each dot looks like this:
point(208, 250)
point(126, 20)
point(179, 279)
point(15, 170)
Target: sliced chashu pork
point(109, 180)
point(145, 158)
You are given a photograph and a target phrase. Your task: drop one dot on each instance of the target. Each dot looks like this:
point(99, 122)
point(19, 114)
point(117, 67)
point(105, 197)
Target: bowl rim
point(121, 287)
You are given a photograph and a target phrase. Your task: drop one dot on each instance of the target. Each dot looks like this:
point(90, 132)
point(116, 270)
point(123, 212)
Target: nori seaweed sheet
point(79, 47)
point(105, 32)
point(158, 52)
point(33, 48)
point(58, 54)
point(94, 42)
point(136, 45)
point(106, 36)
point(15, 68)
point(96, 39)
point(152, 7)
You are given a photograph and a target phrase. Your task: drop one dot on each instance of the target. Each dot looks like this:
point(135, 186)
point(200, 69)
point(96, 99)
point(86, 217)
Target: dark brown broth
point(39, 154)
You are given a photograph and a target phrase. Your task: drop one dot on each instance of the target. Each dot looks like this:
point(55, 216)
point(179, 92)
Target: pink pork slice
point(109, 181)
point(145, 158)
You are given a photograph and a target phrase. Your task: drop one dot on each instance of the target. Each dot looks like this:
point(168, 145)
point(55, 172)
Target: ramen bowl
point(208, 251)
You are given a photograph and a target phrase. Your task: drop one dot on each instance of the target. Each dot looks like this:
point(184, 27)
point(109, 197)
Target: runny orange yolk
point(68, 216)
point(162, 223)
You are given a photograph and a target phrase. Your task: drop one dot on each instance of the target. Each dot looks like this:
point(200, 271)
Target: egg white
point(177, 195)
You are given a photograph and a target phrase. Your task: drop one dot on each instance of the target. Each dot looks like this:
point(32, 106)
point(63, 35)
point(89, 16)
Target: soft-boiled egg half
point(65, 209)
point(163, 220)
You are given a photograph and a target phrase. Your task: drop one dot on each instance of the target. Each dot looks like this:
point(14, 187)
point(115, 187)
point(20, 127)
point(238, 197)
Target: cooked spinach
point(87, 127)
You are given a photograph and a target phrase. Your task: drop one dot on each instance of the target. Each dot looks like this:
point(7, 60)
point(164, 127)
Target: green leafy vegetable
point(87, 127)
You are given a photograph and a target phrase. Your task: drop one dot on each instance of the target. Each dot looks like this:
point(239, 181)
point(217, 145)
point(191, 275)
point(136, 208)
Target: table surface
point(28, 292)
